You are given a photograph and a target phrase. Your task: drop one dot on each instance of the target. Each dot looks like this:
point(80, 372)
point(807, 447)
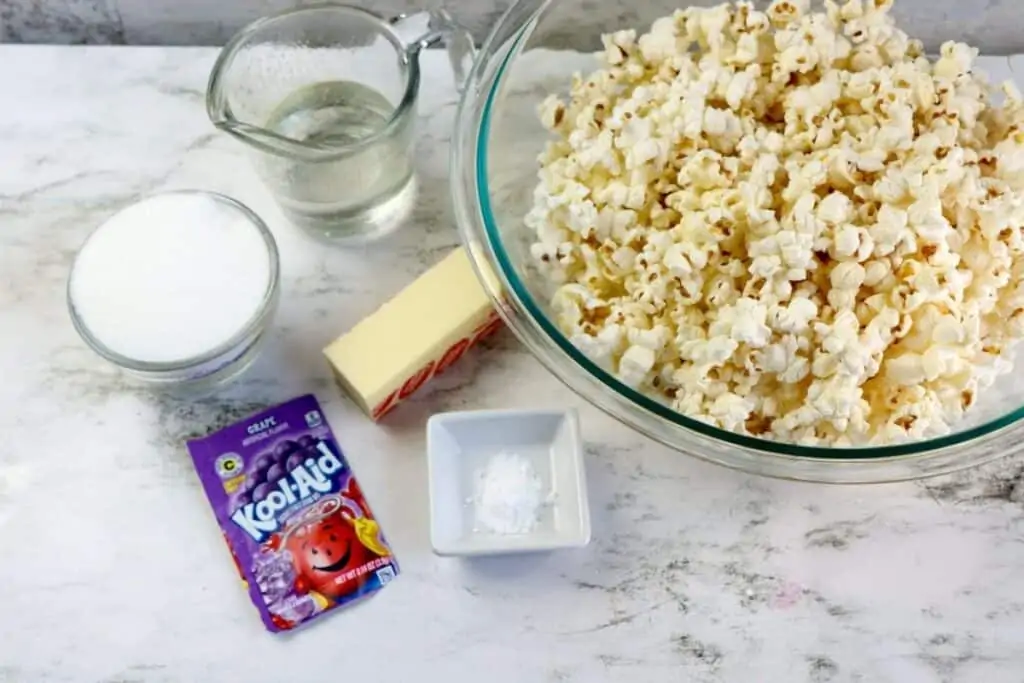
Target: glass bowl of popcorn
point(782, 236)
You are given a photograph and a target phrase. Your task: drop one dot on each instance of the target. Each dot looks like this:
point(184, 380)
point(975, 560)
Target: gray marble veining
point(112, 569)
point(63, 21)
point(996, 26)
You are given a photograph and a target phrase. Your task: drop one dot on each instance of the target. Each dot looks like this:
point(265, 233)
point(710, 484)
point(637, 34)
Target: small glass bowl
point(213, 368)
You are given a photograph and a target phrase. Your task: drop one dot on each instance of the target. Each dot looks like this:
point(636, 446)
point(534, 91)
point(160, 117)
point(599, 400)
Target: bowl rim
point(474, 120)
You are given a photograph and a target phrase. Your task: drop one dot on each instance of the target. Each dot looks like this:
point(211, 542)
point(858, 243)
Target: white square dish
point(460, 444)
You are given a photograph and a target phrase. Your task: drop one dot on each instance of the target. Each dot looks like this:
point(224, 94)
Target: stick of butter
point(415, 336)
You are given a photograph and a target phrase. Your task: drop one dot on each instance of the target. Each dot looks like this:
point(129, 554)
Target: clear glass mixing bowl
point(494, 170)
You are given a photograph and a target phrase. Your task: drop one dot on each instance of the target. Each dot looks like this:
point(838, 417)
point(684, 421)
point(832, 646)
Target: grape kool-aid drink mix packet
point(301, 532)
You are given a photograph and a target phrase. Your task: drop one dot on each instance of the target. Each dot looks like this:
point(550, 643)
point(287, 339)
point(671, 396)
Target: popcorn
point(634, 365)
point(846, 241)
point(730, 411)
point(834, 209)
point(800, 230)
point(743, 322)
point(794, 318)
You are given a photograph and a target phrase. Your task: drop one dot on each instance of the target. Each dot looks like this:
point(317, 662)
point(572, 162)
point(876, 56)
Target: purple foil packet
point(300, 531)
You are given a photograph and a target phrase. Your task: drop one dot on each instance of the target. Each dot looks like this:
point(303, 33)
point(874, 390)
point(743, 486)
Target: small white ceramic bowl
point(460, 444)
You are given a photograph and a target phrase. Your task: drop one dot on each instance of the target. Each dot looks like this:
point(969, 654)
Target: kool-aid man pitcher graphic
point(334, 546)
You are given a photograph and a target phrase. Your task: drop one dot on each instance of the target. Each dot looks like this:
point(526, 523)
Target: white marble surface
point(112, 569)
point(994, 25)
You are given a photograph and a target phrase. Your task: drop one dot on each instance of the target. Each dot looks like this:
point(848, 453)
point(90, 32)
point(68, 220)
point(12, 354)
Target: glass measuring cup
point(324, 97)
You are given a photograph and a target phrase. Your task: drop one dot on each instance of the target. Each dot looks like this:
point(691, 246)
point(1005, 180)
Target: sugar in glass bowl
point(177, 290)
point(531, 53)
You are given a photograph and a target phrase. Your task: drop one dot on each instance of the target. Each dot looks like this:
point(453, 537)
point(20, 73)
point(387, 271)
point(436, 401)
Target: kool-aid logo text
point(311, 478)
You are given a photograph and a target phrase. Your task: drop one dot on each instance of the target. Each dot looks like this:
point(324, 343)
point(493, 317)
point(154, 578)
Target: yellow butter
point(415, 336)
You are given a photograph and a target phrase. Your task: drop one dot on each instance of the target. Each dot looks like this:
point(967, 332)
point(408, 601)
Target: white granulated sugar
point(507, 495)
point(171, 278)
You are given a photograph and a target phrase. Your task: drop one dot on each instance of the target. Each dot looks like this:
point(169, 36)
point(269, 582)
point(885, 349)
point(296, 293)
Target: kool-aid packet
point(301, 533)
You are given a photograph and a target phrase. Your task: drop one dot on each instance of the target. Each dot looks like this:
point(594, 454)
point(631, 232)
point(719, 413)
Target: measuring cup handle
point(426, 29)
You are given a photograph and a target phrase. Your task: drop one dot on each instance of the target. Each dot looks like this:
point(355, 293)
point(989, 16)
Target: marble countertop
point(993, 25)
point(112, 568)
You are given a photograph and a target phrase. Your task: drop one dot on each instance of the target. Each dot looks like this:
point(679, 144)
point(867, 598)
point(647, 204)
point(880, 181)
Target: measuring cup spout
point(221, 116)
point(260, 138)
point(269, 141)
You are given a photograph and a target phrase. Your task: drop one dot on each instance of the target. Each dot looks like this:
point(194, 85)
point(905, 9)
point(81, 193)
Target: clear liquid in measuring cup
point(333, 114)
point(367, 189)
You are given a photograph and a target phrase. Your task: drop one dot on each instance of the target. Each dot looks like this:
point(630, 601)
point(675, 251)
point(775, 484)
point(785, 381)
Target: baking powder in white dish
point(507, 495)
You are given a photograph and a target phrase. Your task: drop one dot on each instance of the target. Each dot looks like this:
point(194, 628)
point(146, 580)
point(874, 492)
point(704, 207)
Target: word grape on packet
point(293, 515)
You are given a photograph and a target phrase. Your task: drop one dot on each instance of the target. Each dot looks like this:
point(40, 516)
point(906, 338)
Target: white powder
point(507, 495)
point(171, 278)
